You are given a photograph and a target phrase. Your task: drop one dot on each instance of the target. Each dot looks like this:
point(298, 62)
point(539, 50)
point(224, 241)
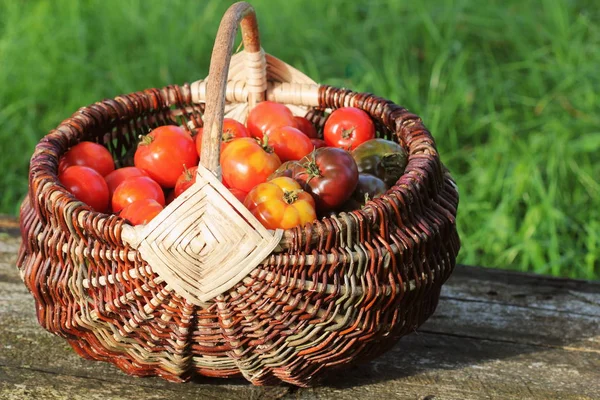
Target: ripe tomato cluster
point(277, 165)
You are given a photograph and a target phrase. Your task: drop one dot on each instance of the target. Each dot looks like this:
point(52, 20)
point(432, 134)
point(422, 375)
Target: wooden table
point(495, 335)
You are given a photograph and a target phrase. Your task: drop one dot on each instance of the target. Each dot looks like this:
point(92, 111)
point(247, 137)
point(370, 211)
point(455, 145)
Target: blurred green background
point(509, 90)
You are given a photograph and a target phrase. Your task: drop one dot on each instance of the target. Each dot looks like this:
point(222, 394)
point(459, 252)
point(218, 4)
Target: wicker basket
point(288, 305)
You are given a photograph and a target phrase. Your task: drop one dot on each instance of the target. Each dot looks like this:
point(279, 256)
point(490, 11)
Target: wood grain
point(495, 335)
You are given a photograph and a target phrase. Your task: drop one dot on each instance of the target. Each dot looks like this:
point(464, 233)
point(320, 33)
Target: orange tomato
point(134, 189)
point(266, 116)
point(185, 180)
point(231, 130)
point(289, 143)
point(117, 177)
point(141, 211)
point(245, 163)
point(240, 195)
point(87, 185)
point(281, 204)
point(88, 154)
point(164, 153)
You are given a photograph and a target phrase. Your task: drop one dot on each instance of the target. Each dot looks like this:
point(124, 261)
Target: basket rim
point(44, 183)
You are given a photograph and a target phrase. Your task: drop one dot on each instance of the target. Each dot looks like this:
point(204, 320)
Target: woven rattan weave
point(340, 290)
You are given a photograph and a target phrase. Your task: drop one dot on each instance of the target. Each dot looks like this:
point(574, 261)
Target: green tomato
point(368, 187)
point(382, 158)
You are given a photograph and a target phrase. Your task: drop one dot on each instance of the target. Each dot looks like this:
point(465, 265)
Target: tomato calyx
point(187, 174)
point(347, 133)
point(145, 140)
point(264, 143)
point(312, 168)
point(228, 136)
point(290, 196)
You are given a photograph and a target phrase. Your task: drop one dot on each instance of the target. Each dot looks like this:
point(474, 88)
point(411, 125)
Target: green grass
point(509, 89)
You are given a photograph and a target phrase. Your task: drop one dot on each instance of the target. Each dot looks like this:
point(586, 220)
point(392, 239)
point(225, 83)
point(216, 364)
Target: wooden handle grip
point(241, 14)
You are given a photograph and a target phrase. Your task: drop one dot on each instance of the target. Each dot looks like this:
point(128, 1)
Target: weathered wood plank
point(515, 324)
point(27, 383)
point(526, 290)
point(496, 335)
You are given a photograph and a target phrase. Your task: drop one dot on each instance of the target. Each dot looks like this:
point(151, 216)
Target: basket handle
point(241, 14)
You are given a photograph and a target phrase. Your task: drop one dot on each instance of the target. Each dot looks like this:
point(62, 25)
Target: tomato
point(281, 204)
point(116, 177)
point(383, 158)
point(87, 185)
point(289, 143)
point(347, 127)
point(285, 169)
point(224, 182)
point(266, 116)
point(306, 127)
point(369, 187)
point(329, 174)
point(239, 194)
point(136, 188)
point(245, 163)
point(141, 211)
point(231, 130)
point(164, 152)
point(318, 143)
point(187, 179)
point(88, 154)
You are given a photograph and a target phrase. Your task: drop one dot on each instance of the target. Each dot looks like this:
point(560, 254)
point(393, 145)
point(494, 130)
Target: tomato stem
point(145, 140)
point(264, 143)
point(312, 168)
point(290, 196)
point(347, 133)
point(227, 136)
point(188, 174)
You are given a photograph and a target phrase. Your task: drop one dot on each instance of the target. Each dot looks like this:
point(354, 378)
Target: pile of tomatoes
point(276, 165)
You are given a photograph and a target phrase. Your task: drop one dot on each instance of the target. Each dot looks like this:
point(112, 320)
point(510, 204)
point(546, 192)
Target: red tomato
point(87, 185)
point(289, 143)
point(306, 127)
point(281, 204)
point(245, 164)
point(116, 177)
point(347, 127)
point(224, 182)
point(266, 116)
point(164, 152)
point(231, 130)
point(88, 154)
point(141, 212)
point(329, 174)
point(186, 180)
point(134, 189)
point(318, 143)
point(239, 194)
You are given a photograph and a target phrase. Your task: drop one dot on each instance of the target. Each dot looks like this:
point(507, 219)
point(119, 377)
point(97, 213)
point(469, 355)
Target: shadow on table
point(482, 316)
point(488, 315)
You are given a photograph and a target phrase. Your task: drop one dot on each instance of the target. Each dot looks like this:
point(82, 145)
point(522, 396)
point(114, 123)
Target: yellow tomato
point(281, 204)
